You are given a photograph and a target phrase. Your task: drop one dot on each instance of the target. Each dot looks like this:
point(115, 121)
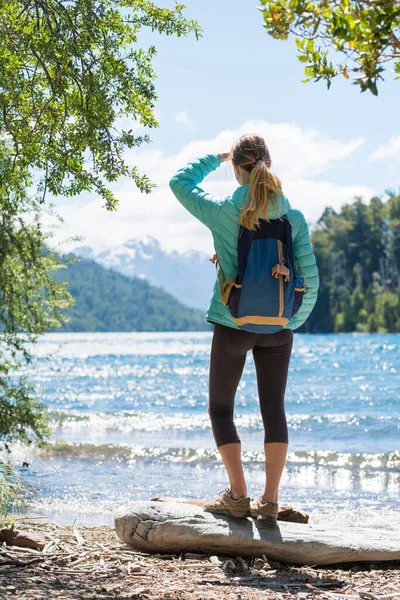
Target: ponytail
point(251, 153)
point(264, 185)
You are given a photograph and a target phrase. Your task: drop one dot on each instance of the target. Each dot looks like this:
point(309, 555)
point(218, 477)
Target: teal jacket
point(221, 216)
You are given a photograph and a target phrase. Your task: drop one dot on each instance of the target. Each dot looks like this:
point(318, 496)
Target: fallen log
point(172, 527)
point(24, 539)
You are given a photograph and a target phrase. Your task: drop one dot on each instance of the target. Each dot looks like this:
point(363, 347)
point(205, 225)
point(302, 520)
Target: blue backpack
point(266, 293)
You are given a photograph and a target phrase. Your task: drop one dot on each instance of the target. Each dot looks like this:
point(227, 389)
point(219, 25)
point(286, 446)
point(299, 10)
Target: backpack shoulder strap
point(289, 240)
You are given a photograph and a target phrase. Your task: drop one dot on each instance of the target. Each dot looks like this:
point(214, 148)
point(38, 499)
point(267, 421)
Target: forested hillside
point(169, 270)
point(358, 255)
point(109, 301)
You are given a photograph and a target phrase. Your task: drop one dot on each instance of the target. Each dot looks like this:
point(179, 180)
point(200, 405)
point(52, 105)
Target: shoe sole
point(228, 514)
point(268, 519)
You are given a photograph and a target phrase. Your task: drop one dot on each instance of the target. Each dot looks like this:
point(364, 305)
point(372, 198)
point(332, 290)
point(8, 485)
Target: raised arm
point(184, 185)
point(305, 260)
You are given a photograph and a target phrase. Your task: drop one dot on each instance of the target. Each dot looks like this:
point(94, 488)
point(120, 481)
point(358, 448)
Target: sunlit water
point(129, 420)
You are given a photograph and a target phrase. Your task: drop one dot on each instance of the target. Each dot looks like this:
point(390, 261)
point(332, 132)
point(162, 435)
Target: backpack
point(266, 292)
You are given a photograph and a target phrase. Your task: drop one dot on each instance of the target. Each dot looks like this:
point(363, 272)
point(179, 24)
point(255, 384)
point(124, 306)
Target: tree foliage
point(10, 493)
point(70, 72)
point(358, 256)
point(358, 39)
point(31, 301)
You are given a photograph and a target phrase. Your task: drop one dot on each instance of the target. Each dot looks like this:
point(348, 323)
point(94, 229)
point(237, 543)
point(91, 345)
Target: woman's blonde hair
point(251, 153)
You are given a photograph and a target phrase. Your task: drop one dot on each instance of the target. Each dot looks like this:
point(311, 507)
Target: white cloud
point(182, 118)
point(312, 196)
point(295, 152)
point(389, 150)
point(299, 157)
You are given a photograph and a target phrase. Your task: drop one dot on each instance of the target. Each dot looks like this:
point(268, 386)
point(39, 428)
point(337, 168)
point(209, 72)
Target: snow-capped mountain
point(189, 277)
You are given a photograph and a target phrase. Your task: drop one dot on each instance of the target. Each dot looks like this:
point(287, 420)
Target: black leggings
point(271, 353)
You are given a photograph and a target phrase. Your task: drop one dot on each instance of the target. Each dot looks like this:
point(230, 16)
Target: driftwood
point(23, 539)
point(286, 513)
point(181, 527)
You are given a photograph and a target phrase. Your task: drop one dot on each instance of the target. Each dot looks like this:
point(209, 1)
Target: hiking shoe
point(224, 504)
point(267, 511)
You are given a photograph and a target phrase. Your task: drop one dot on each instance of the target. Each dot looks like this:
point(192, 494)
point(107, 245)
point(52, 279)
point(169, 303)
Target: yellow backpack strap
point(221, 280)
point(226, 287)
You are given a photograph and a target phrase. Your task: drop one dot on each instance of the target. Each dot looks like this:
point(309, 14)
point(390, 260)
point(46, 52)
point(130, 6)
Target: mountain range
point(189, 277)
point(108, 301)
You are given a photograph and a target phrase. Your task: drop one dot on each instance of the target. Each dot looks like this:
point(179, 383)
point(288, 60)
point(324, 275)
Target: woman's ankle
point(236, 494)
point(269, 498)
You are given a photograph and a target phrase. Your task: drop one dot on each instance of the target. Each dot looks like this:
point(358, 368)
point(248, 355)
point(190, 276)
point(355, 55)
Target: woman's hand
point(225, 156)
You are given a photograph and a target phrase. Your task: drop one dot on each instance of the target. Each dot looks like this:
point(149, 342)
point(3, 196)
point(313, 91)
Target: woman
point(260, 195)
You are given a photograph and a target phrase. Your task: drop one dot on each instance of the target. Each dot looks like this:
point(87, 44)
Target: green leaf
point(373, 88)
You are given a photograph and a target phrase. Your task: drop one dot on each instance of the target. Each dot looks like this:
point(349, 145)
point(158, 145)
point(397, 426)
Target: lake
point(129, 421)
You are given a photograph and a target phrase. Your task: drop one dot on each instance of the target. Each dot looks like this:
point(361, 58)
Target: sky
point(327, 146)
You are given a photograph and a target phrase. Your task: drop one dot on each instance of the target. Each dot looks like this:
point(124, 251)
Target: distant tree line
point(358, 255)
